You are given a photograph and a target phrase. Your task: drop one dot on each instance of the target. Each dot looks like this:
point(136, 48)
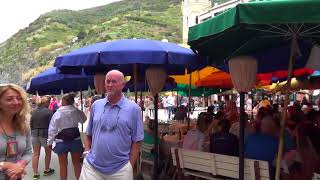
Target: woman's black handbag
point(68, 134)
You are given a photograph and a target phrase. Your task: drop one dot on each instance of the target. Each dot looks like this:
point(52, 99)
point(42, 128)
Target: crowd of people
point(301, 151)
point(170, 103)
point(219, 133)
point(115, 128)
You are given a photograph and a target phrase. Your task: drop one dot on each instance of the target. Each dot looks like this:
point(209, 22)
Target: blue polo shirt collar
point(120, 103)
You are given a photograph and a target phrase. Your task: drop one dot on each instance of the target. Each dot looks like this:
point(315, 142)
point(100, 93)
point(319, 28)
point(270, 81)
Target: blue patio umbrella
point(132, 57)
point(52, 81)
point(121, 54)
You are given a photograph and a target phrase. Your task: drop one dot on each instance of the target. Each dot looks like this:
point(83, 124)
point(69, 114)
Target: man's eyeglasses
point(111, 81)
point(109, 119)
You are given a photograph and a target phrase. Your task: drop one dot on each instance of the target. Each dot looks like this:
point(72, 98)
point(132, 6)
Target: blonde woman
point(63, 129)
point(15, 136)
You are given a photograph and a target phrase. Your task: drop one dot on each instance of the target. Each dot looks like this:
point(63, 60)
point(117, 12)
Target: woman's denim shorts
point(68, 146)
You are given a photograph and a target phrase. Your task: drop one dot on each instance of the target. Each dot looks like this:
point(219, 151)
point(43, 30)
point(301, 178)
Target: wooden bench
point(216, 166)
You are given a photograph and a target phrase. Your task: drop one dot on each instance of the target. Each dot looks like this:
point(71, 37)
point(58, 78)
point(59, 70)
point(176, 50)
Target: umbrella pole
point(81, 107)
point(177, 98)
point(203, 98)
point(252, 105)
point(135, 76)
point(142, 104)
point(286, 102)
point(156, 145)
point(189, 108)
point(241, 137)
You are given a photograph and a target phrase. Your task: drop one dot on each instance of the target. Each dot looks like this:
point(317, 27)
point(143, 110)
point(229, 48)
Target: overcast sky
point(18, 14)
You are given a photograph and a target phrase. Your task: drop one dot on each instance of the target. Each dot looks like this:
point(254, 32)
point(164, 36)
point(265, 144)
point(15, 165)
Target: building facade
point(197, 11)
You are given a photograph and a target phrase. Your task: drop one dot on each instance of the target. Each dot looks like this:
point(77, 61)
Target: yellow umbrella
point(195, 75)
point(295, 86)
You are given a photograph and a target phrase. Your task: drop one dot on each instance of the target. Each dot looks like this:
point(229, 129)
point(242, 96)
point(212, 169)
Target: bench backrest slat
point(217, 164)
point(235, 167)
point(146, 147)
point(197, 160)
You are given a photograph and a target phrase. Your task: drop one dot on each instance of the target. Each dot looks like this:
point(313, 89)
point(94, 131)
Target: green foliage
point(61, 31)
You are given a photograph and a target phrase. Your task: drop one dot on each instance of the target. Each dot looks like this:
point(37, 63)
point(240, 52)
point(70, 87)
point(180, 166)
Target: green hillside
point(34, 48)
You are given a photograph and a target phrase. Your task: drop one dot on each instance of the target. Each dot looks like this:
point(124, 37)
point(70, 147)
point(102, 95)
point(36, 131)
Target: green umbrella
point(254, 26)
point(281, 30)
point(183, 89)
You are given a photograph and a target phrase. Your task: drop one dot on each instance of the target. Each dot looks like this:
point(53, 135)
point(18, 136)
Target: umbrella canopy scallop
point(122, 54)
point(52, 81)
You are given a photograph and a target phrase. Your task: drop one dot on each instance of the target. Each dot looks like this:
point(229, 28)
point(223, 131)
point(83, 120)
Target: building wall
point(218, 9)
point(190, 11)
point(197, 11)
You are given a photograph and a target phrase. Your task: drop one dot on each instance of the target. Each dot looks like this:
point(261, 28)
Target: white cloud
point(18, 14)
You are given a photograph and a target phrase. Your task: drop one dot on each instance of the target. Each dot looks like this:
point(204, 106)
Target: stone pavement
point(54, 165)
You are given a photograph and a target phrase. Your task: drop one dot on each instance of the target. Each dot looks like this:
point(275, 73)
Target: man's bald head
point(117, 74)
point(114, 83)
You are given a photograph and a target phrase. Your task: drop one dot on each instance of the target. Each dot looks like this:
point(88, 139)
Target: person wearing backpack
point(64, 131)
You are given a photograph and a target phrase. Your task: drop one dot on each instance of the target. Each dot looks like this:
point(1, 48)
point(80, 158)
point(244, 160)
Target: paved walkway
point(54, 165)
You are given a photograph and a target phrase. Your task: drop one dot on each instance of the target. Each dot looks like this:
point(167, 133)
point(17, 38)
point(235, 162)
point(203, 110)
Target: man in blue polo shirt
point(113, 134)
